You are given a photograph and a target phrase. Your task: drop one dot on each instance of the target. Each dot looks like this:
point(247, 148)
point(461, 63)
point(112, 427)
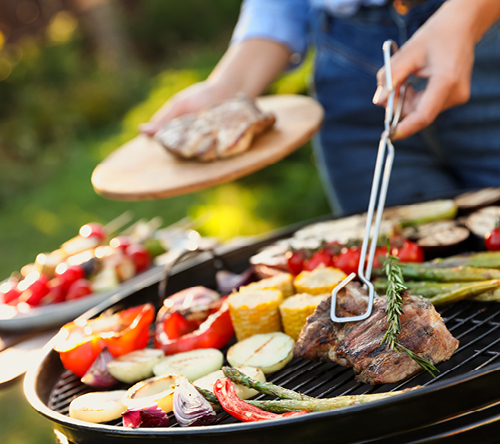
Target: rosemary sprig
point(395, 289)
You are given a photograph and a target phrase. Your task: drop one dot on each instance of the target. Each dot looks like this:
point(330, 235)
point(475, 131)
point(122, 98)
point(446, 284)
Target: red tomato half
point(295, 262)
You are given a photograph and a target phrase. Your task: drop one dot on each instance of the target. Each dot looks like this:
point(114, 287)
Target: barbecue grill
point(460, 405)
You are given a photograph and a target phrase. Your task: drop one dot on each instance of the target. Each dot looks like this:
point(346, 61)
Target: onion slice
point(98, 375)
point(151, 416)
point(190, 407)
point(98, 406)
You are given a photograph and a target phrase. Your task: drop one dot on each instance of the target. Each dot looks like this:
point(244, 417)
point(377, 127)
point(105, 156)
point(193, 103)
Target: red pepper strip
point(122, 332)
point(214, 332)
point(226, 394)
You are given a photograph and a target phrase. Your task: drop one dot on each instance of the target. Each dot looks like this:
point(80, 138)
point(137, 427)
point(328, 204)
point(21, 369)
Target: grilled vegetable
point(295, 310)
point(422, 212)
point(190, 407)
point(226, 395)
point(492, 238)
point(320, 405)
point(466, 292)
point(151, 416)
point(320, 280)
point(255, 311)
point(482, 221)
point(437, 236)
point(192, 364)
point(282, 282)
point(268, 388)
point(80, 342)
point(473, 200)
point(268, 351)
point(98, 406)
point(135, 366)
point(207, 382)
point(153, 391)
point(293, 401)
point(98, 375)
point(457, 274)
point(183, 324)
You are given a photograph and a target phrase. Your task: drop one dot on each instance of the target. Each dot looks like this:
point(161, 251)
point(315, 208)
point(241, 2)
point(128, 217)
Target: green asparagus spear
point(441, 292)
point(466, 292)
point(413, 271)
point(488, 296)
point(321, 405)
point(484, 259)
point(264, 387)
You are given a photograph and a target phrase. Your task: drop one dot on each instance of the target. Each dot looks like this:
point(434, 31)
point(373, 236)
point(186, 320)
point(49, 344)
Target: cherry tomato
point(34, 288)
point(93, 229)
point(295, 262)
point(120, 242)
point(409, 252)
point(79, 289)
point(57, 292)
point(348, 260)
point(69, 274)
point(9, 294)
point(323, 256)
point(492, 239)
point(379, 257)
point(140, 257)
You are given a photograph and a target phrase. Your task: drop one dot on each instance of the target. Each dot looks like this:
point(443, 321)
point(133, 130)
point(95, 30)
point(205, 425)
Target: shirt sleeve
point(284, 21)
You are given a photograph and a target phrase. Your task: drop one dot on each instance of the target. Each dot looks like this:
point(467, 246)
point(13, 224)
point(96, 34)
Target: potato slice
point(192, 364)
point(98, 406)
point(135, 366)
point(268, 351)
point(207, 382)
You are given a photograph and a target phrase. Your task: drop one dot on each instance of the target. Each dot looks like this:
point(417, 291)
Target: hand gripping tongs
point(378, 192)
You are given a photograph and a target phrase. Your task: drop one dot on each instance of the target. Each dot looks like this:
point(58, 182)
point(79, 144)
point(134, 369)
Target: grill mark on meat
point(358, 344)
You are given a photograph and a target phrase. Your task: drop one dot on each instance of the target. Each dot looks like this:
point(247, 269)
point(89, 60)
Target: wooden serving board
point(142, 169)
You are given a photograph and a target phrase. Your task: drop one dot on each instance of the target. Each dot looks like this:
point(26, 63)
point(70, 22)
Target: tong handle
point(385, 157)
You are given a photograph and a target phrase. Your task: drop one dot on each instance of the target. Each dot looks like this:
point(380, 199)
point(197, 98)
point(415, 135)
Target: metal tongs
point(378, 191)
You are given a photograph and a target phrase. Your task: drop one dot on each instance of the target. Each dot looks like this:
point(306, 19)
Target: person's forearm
point(251, 65)
point(477, 16)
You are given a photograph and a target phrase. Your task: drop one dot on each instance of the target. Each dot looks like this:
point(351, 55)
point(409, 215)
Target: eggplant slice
point(474, 200)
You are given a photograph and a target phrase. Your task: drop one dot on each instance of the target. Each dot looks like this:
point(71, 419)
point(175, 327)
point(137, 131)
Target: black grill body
point(460, 405)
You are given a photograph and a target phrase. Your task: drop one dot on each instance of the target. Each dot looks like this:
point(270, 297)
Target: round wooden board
point(142, 169)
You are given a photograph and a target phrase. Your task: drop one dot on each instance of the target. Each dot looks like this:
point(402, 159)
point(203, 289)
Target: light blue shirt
point(286, 21)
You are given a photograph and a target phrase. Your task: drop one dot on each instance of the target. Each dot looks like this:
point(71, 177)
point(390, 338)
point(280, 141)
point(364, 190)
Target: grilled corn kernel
point(295, 310)
point(318, 281)
point(282, 282)
point(254, 312)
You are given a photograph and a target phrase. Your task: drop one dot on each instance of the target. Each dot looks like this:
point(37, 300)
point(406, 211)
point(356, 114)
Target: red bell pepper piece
point(214, 332)
point(122, 332)
point(226, 395)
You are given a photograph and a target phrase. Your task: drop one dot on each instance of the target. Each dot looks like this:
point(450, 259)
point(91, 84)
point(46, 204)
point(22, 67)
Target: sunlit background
point(76, 79)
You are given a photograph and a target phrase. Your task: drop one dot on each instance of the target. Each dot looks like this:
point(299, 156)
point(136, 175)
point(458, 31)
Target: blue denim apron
point(459, 151)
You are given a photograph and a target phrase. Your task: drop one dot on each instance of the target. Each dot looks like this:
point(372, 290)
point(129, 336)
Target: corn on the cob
point(282, 282)
point(295, 310)
point(254, 312)
point(318, 281)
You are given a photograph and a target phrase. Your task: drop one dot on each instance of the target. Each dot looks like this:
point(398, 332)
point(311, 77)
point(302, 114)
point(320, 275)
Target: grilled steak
point(219, 132)
point(357, 344)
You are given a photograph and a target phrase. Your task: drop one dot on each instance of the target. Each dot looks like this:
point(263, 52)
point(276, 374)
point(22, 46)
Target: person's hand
point(442, 51)
point(193, 99)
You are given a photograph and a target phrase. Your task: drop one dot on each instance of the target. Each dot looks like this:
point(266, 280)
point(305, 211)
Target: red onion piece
point(228, 281)
point(98, 375)
point(151, 416)
point(190, 407)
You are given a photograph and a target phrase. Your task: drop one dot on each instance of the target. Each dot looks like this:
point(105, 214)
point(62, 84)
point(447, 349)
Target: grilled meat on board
point(217, 133)
point(357, 344)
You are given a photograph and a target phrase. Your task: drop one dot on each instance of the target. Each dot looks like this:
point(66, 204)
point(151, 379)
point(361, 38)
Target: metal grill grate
point(474, 324)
